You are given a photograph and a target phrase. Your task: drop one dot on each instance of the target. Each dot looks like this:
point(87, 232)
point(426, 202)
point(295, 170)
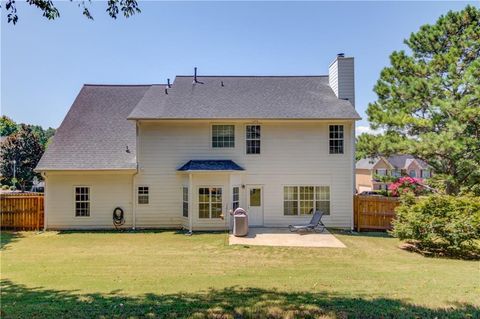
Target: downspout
point(134, 201)
point(354, 177)
point(44, 175)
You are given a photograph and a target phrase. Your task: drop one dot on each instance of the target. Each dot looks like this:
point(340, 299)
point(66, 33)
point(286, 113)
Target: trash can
point(240, 222)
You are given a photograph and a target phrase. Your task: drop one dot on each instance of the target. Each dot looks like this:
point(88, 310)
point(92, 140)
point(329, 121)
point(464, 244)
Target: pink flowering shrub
point(407, 184)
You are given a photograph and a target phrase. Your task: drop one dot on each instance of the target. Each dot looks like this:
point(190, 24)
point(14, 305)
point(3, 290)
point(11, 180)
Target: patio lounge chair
point(314, 225)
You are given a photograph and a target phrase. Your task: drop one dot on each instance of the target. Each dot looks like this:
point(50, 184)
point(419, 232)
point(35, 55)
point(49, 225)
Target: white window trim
point(210, 140)
point(75, 201)
point(210, 202)
point(149, 191)
point(260, 139)
point(298, 198)
point(239, 196)
point(381, 169)
point(337, 139)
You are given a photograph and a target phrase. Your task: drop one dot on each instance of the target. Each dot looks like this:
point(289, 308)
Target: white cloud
point(366, 129)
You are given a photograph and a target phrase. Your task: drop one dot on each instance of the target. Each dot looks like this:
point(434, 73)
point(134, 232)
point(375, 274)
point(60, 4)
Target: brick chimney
point(341, 77)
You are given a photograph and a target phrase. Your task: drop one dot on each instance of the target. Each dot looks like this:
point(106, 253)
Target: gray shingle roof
point(397, 161)
point(95, 132)
point(245, 97)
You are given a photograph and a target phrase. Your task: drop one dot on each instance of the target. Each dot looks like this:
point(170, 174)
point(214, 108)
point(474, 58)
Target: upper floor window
point(223, 136)
point(396, 173)
point(253, 139)
point(336, 139)
point(82, 201)
point(425, 173)
point(143, 195)
point(412, 173)
point(381, 171)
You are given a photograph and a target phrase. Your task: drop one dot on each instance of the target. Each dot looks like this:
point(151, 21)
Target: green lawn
point(167, 274)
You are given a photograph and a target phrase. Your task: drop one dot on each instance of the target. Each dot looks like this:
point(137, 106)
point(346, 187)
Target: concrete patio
point(283, 237)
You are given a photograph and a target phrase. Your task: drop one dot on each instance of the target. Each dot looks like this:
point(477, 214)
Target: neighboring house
point(370, 170)
point(184, 155)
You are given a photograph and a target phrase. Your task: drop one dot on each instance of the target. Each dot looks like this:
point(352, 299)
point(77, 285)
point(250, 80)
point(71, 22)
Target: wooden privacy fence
point(374, 212)
point(21, 211)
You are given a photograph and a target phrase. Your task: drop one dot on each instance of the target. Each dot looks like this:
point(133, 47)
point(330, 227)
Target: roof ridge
point(253, 76)
point(118, 85)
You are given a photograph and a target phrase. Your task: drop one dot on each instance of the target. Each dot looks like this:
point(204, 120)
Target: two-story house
point(370, 171)
point(183, 154)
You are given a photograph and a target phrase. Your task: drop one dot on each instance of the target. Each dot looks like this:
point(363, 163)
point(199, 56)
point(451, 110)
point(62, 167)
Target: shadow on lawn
point(7, 237)
point(21, 302)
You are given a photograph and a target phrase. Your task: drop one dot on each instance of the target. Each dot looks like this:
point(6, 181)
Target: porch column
point(190, 202)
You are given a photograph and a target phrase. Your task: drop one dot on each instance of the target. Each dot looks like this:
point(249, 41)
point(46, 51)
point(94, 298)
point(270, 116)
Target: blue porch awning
point(210, 165)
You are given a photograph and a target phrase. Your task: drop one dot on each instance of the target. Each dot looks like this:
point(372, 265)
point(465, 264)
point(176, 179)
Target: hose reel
point(118, 217)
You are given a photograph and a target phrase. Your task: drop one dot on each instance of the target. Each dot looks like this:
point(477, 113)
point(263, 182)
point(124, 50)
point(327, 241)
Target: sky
point(45, 63)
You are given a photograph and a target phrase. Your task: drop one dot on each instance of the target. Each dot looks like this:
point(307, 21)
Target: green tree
point(7, 126)
point(49, 11)
point(26, 150)
point(429, 100)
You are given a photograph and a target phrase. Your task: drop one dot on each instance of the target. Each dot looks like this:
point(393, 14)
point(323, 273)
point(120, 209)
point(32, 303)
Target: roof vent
point(195, 75)
point(222, 84)
point(166, 91)
point(168, 83)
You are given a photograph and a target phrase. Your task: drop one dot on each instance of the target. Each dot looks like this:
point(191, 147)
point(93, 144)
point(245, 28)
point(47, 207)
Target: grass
point(167, 274)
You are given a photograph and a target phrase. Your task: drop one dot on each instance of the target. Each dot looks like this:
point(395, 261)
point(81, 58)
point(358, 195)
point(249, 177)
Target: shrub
point(407, 184)
point(12, 188)
point(439, 221)
point(5, 187)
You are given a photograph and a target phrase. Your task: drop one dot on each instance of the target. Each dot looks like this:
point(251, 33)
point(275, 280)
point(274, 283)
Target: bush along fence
point(22, 211)
point(374, 212)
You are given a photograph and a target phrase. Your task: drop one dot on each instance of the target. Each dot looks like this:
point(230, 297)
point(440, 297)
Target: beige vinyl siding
point(292, 153)
point(363, 179)
point(107, 191)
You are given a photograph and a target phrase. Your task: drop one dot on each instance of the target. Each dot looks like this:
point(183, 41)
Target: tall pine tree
point(429, 100)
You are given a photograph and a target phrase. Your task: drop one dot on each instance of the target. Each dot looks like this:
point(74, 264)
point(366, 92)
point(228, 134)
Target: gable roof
point(244, 97)
point(95, 133)
point(397, 161)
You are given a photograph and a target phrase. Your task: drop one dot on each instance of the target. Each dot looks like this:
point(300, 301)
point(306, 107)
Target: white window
point(253, 139)
point(82, 201)
point(185, 202)
point(396, 173)
point(209, 202)
point(381, 172)
point(223, 136)
point(425, 173)
point(336, 139)
point(304, 200)
point(412, 173)
point(143, 195)
point(235, 198)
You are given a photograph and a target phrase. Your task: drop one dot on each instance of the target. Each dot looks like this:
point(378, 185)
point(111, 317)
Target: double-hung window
point(143, 195)
point(304, 200)
point(336, 136)
point(223, 136)
point(425, 173)
point(252, 139)
point(185, 201)
point(209, 202)
point(381, 172)
point(235, 198)
point(82, 201)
